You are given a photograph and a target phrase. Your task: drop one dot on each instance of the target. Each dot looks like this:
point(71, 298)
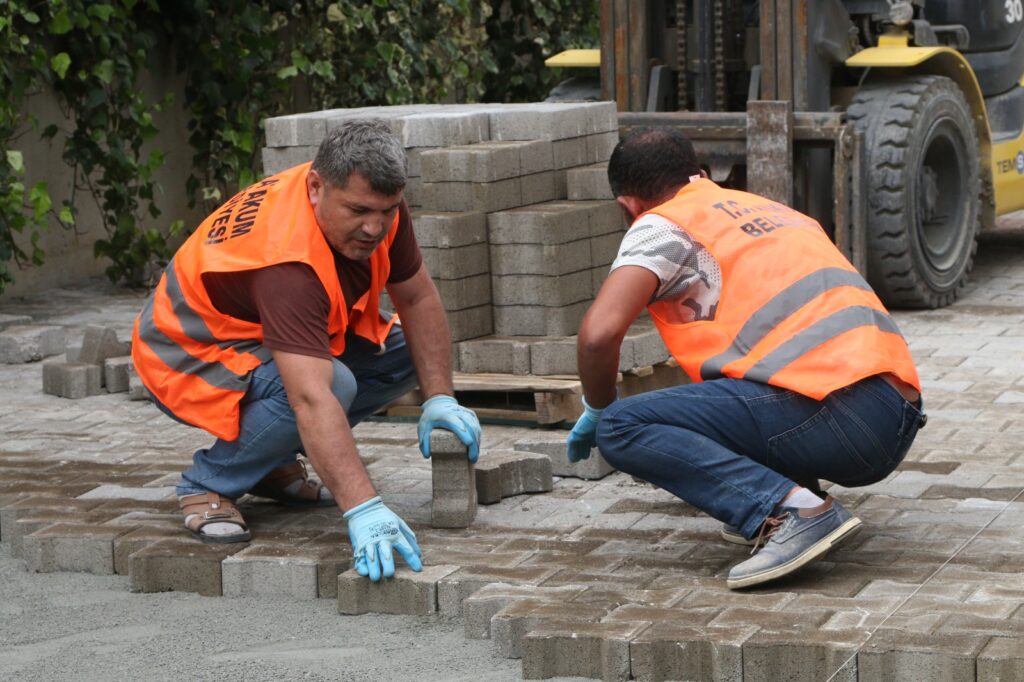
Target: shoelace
point(768, 528)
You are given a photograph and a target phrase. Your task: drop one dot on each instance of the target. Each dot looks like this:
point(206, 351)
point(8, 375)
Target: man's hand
point(374, 530)
point(443, 411)
point(583, 436)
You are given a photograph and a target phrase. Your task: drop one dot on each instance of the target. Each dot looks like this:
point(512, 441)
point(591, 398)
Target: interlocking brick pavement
point(609, 578)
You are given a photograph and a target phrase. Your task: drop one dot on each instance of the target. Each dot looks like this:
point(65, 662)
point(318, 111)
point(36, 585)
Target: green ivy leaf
point(15, 160)
point(60, 23)
point(334, 13)
point(60, 64)
point(287, 72)
point(30, 16)
point(67, 216)
point(39, 197)
point(101, 12)
point(104, 71)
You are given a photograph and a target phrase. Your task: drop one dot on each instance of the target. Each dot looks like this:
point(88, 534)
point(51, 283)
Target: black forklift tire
point(923, 188)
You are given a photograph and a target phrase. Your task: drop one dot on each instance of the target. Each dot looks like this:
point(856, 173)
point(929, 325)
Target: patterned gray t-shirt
point(689, 276)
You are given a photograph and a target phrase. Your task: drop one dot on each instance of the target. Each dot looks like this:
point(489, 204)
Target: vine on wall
point(243, 61)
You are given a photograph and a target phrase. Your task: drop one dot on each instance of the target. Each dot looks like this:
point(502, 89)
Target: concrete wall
point(69, 252)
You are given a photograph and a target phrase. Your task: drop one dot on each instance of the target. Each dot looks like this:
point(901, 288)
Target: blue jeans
point(734, 448)
point(365, 379)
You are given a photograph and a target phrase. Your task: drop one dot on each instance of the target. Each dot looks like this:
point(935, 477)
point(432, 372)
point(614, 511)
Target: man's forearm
point(430, 342)
point(599, 369)
point(331, 449)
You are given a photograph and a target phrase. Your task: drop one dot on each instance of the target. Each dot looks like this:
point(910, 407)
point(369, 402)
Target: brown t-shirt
point(292, 305)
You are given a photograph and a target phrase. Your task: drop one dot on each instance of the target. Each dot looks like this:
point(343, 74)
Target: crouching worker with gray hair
point(798, 372)
point(265, 331)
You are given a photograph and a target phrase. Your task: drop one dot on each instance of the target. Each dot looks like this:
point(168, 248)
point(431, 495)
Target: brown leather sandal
point(205, 508)
point(274, 485)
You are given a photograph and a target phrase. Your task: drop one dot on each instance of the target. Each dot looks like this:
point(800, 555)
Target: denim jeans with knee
point(734, 448)
point(366, 378)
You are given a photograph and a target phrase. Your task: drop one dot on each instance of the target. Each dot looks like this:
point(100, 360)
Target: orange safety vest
point(196, 360)
point(792, 311)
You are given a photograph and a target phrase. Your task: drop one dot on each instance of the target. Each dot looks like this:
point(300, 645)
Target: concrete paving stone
point(480, 607)
point(605, 248)
point(473, 196)
point(569, 153)
point(413, 192)
point(602, 117)
point(456, 263)
point(70, 547)
point(115, 374)
point(459, 585)
point(468, 292)
point(551, 223)
point(554, 292)
point(538, 122)
point(676, 651)
point(605, 217)
point(298, 129)
point(453, 503)
point(535, 156)
point(407, 592)
point(553, 355)
point(13, 321)
point(483, 162)
point(597, 650)
point(525, 320)
point(29, 343)
point(593, 468)
point(277, 159)
point(588, 182)
point(441, 230)
point(442, 128)
point(100, 343)
point(1002, 660)
point(139, 537)
point(180, 566)
point(72, 380)
point(495, 355)
point(506, 473)
point(332, 562)
point(600, 146)
point(537, 188)
point(809, 656)
point(136, 389)
point(510, 625)
point(271, 571)
point(897, 655)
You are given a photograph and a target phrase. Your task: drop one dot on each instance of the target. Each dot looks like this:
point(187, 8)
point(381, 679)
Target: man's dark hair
point(651, 162)
point(366, 147)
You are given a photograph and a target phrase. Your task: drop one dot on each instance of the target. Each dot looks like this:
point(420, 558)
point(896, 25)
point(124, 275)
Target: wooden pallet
point(537, 400)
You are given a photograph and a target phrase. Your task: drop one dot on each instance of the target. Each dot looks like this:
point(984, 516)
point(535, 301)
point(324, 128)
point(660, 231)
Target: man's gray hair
point(363, 146)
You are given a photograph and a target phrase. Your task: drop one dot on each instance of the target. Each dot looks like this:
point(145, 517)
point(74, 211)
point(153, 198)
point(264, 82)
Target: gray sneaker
point(792, 539)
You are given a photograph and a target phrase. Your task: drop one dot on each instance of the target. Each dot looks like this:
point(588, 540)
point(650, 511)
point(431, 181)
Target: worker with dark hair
point(797, 371)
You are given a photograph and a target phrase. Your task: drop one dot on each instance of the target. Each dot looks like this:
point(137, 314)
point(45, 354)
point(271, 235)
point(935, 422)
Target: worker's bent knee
point(343, 385)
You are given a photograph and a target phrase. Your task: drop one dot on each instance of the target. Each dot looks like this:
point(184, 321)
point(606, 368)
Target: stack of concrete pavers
point(101, 361)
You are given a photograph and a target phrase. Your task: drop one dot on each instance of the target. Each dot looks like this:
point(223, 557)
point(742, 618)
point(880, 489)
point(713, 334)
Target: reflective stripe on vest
point(179, 359)
point(784, 304)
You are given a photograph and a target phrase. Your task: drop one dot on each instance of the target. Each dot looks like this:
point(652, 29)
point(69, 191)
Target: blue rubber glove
point(583, 436)
point(374, 530)
point(444, 412)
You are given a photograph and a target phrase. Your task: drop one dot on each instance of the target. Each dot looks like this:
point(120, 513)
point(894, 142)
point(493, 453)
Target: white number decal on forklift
point(1014, 11)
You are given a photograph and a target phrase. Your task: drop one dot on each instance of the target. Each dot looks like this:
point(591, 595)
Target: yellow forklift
point(897, 124)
